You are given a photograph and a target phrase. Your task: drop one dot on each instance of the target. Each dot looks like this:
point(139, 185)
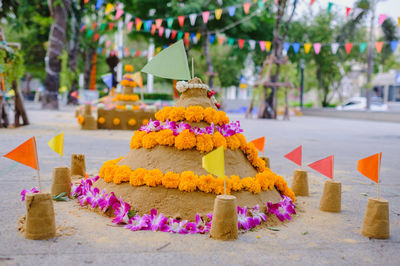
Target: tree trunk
point(88, 67)
point(59, 12)
point(19, 107)
point(4, 122)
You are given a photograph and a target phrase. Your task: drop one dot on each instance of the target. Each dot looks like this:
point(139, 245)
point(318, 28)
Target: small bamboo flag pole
point(37, 163)
point(371, 167)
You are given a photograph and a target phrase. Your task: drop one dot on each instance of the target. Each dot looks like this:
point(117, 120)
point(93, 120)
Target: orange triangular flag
point(369, 166)
point(25, 153)
point(324, 166)
point(379, 46)
point(259, 143)
point(295, 155)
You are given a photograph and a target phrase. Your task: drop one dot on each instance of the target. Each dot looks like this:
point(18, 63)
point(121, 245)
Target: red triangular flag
point(241, 43)
point(295, 155)
point(312, 2)
point(370, 166)
point(246, 7)
point(379, 46)
point(324, 166)
point(110, 25)
point(259, 143)
point(348, 47)
point(348, 9)
point(181, 20)
point(153, 29)
point(25, 153)
point(173, 35)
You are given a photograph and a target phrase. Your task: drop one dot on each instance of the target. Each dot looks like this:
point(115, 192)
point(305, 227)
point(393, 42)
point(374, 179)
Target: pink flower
point(25, 191)
point(106, 201)
point(257, 215)
point(231, 129)
point(176, 226)
point(169, 125)
point(199, 226)
point(156, 222)
point(243, 220)
point(283, 209)
point(151, 126)
point(181, 127)
point(137, 223)
point(199, 130)
point(210, 129)
point(121, 210)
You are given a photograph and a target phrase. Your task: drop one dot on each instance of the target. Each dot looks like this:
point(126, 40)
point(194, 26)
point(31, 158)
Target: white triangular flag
point(194, 40)
point(252, 44)
point(334, 47)
point(192, 18)
point(128, 18)
point(167, 32)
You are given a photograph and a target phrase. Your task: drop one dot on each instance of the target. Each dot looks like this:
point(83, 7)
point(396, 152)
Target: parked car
point(360, 103)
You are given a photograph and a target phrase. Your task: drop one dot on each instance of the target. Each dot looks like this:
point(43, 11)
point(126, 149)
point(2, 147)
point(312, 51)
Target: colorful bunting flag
point(382, 18)
point(241, 43)
point(370, 166)
point(363, 46)
point(102, 26)
point(312, 2)
point(296, 47)
point(26, 153)
point(153, 29)
point(57, 144)
point(205, 15)
point(260, 4)
point(317, 47)
point(252, 44)
point(398, 21)
point(232, 11)
point(324, 166)
point(286, 46)
point(262, 45)
point(181, 20)
point(379, 46)
point(147, 25)
point(180, 35)
point(129, 26)
point(128, 18)
point(330, 4)
point(218, 13)
point(108, 79)
point(348, 9)
point(119, 13)
point(110, 25)
point(295, 155)
point(214, 163)
point(173, 35)
point(109, 8)
point(393, 45)
point(259, 144)
point(167, 32)
point(96, 37)
point(211, 38)
point(246, 7)
point(334, 47)
point(307, 47)
point(108, 43)
point(160, 31)
point(192, 18)
point(159, 22)
point(231, 41)
point(221, 40)
point(348, 47)
point(170, 21)
point(99, 3)
point(89, 33)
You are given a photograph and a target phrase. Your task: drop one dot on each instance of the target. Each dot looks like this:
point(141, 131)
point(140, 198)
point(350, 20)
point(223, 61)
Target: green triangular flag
point(363, 45)
point(180, 35)
point(329, 6)
point(102, 26)
point(231, 41)
point(260, 4)
point(170, 63)
point(89, 33)
point(170, 21)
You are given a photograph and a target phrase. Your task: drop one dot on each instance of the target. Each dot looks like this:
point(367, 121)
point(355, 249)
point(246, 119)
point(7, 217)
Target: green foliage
point(12, 66)
point(158, 96)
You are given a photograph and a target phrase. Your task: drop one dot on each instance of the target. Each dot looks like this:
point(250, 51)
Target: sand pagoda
point(125, 111)
point(163, 169)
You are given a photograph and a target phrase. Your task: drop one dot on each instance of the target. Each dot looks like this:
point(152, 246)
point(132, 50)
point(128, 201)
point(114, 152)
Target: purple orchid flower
point(137, 223)
point(199, 226)
point(156, 222)
point(286, 201)
point(181, 127)
point(88, 197)
point(25, 191)
point(258, 216)
point(210, 130)
point(176, 226)
point(108, 200)
point(121, 210)
point(151, 126)
point(282, 209)
point(243, 220)
point(199, 130)
point(169, 125)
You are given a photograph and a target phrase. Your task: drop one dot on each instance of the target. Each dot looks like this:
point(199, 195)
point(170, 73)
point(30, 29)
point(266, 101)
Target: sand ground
point(312, 238)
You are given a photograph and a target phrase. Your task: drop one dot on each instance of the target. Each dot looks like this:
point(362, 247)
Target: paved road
point(313, 237)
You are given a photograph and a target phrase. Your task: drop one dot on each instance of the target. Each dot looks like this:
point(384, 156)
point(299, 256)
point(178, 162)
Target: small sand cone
point(331, 199)
point(266, 160)
point(89, 123)
point(300, 182)
point(224, 224)
point(40, 222)
point(78, 167)
point(61, 181)
point(376, 219)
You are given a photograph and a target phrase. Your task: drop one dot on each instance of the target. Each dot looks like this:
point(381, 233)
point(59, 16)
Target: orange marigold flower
point(170, 180)
point(162, 115)
point(236, 183)
point(122, 174)
point(243, 141)
point(219, 186)
point(109, 173)
point(153, 178)
point(128, 68)
point(185, 140)
point(137, 139)
point(259, 164)
point(177, 114)
point(101, 120)
point(206, 183)
point(81, 119)
point(251, 151)
point(280, 183)
point(165, 137)
point(209, 114)
point(219, 140)
point(263, 180)
point(124, 82)
point(188, 181)
point(204, 143)
point(251, 185)
point(136, 177)
point(116, 121)
point(220, 118)
point(194, 113)
point(289, 193)
point(149, 140)
point(132, 122)
point(233, 142)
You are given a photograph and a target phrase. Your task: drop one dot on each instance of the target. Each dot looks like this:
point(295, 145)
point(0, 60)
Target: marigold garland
point(101, 120)
point(185, 140)
point(189, 181)
point(81, 119)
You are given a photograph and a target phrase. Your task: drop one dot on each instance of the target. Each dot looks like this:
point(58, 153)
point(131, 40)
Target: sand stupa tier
point(164, 170)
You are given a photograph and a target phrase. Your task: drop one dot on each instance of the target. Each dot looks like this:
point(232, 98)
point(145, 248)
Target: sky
point(389, 7)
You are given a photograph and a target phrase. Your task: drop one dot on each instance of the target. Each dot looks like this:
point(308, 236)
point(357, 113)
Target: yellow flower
point(219, 140)
point(236, 183)
point(165, 137)
point(251, 185)
point(209, 114)
point(185, 140)
point(116, 121)
point(149, 140)
point(204, 143)
point(122, 174)
point(101, 120)
point(137, 139)
point(81, 119)
point(177, 114)
point(132, 122)
point(162, 115)
point(145, 121)
point(188, 181)
point(194, 113)
point(153, 178)
point(128, 68)
point(136, 177)
point(170, 180)
point(233, 142)
point(206, 183)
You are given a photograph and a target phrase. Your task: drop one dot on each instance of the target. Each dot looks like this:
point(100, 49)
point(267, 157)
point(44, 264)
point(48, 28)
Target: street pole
point(370, 55)
point(150, 78)
point(302, 65)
